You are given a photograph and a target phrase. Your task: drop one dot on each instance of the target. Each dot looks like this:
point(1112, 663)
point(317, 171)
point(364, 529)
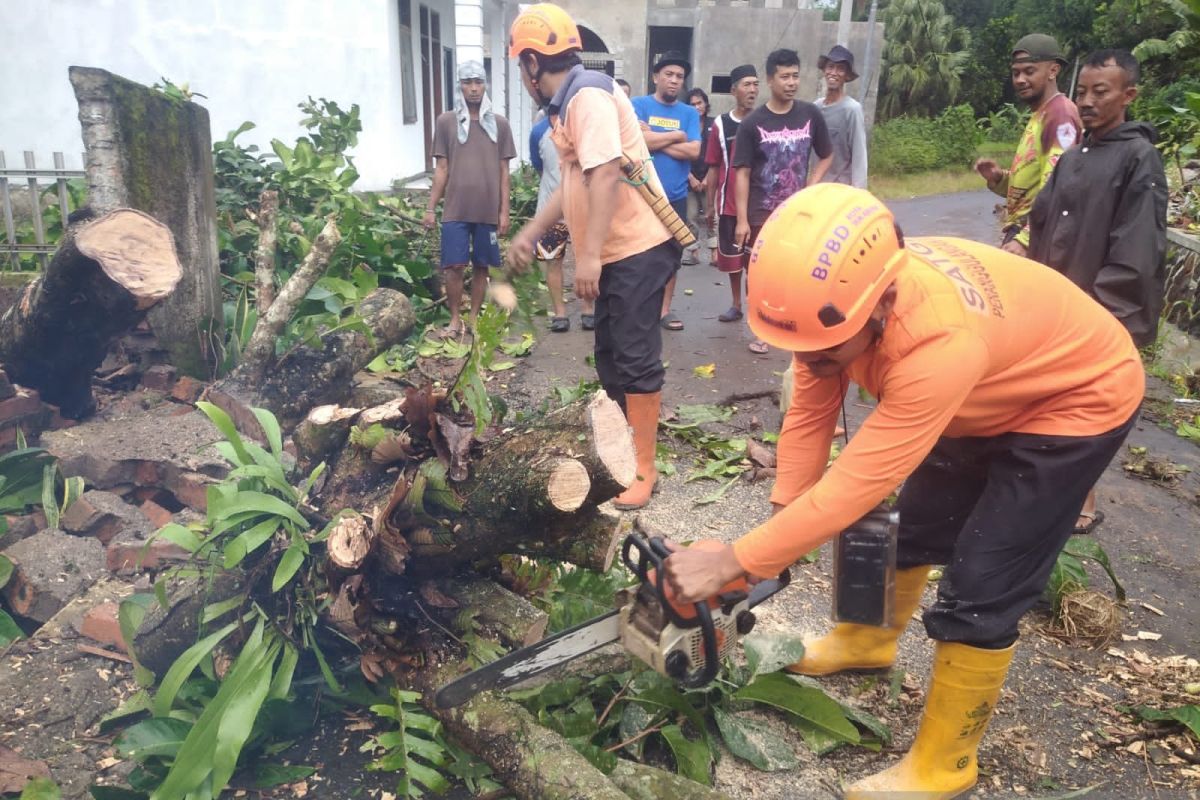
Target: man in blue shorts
point(472, 145)
point(672, 132)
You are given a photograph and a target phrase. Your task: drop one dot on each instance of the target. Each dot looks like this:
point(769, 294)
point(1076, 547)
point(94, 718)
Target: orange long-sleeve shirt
point(980, 343)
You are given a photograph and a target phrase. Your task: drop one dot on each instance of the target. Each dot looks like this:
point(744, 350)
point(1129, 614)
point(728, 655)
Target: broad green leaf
point(1186, 715)
point(6, 569)
point(225, 425)
point(184, 666)
point(771, 652)
point(180, 535)
point(281, 683)
point(693, 759)
point(245, 502)
point(241, 710)
point(600, 758)
point(754, 741)
point(270, 427)
point(41, 789)
point(50, 494)
point(289, 565)
point(249, 540)
point(1088, 547)
point(268, 775)
point(634, 720)
point(72, 490)
point(130, 614)
point(813, 705)
point(214, 611)
point(818, 740)
point(137, 703)
point(159, 736)
point(10, 631)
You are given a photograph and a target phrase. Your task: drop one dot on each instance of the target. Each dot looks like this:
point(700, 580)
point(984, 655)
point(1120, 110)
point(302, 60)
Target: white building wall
point(254, 59)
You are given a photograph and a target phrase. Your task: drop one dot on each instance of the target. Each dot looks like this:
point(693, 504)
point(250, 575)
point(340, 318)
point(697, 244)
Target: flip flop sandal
point(588, 321)
point(732, 315)
point(1094, 520)
point(560, 324)
point(760, 348)
point(671, 322)
point(689, 260)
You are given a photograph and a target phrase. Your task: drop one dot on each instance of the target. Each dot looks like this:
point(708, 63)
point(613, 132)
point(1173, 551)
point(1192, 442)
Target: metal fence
point(16, 241)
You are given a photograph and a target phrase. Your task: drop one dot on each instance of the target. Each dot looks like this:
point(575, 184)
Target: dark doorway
point(664, 38)
point(432, 78)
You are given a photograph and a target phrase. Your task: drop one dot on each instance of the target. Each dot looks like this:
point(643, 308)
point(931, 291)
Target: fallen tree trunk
point(322, 432)
point(642, 782)
point(532, 761)
point(106, 274)
point(316, 373)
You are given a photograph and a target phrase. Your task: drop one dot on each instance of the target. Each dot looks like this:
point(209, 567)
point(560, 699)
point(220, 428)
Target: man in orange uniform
point(624, 256)
point(999, 407)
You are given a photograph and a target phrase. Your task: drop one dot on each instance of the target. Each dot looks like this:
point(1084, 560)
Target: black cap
point(839, 54)
point(744, 71)
point(1038, 47)
point(673, 57)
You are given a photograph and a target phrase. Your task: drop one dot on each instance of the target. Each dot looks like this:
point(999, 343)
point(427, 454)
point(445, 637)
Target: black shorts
point(997, 511)
point(731, 257)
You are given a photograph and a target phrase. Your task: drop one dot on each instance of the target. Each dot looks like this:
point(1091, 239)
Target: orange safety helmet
point(820, 264)
point(545, 29)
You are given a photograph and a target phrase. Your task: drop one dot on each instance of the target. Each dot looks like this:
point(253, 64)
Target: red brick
point(157, 515)
point(160, 378)
point(58, 422)
point(191, 489)
point(187, 390)
point(26, 402)
point(102, 624)
point(127, 554)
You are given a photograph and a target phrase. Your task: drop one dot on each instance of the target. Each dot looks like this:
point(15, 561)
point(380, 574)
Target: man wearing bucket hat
point(999, 407)
point(1053, 127)
point(624, 254)
point(844, 119)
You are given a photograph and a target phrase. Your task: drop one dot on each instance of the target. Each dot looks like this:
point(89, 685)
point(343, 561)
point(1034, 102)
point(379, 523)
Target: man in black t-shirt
point(773, 152)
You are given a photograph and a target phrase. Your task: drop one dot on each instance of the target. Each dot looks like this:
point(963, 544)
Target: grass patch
point(920, 184)
point(1001, 152)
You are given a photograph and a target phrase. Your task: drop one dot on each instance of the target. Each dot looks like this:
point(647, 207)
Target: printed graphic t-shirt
point(1054, 128)
point(677, 116)
point(778, 149)
point(719, 154)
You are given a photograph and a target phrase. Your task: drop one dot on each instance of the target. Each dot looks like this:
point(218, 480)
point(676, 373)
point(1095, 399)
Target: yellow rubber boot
point(963, 691)
point(642, 412)
point(850, 646)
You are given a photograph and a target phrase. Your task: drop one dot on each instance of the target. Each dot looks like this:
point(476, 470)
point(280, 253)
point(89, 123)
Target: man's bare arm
point(684, 151)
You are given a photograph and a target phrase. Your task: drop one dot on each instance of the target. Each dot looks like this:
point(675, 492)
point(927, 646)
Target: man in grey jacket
point(1101, 218)
point(844, 118)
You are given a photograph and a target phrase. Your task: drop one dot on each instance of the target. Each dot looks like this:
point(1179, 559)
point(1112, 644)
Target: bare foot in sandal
point(759, 347)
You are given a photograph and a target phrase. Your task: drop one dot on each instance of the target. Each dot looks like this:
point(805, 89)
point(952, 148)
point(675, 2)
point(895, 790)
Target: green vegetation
point(925, 55)
point(917, 144)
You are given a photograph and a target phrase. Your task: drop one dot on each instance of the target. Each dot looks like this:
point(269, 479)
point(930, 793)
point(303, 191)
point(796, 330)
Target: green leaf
point(130, 614)
point(289, 565)
point(258, 503)
point(214, 611)
point(178, 534)
point(1088, 547)
point(780, 691)
point(41, 789)
point(1186, 715)
point(771, 652)
point(693, 759)
point(268, 775)
point(281, 684)
point(250, 540)
point(156, 737)
point(754, 741)
point(6, 569)
point(184, 666)
point(10, 631)
point(49, 491)
point(225, 425)
point(137, 703)
point(116, 793)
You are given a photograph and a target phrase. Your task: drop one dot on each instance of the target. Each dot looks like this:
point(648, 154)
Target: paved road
point(560, 358)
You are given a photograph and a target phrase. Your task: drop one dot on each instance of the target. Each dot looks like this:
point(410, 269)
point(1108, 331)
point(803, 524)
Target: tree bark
point(500, 614)
point(264, 254)
point(532, 761)
point(642, 782)
point(260, 350)
point(322, 432)
point(316, 373)
point(106, 274)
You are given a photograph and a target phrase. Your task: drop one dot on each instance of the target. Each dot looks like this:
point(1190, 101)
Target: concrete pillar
point(847, 15)
point(152, 153)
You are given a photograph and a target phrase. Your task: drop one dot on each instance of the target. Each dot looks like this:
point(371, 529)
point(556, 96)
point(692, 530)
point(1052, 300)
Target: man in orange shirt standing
point(624, 256)
point(998, 408)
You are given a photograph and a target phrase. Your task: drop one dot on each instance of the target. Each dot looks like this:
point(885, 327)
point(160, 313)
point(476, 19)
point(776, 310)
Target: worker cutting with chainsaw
point(1003, 392)
point(624, 252)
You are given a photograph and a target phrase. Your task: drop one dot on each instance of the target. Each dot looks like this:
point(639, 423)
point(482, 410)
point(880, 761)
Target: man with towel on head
point(473, 145)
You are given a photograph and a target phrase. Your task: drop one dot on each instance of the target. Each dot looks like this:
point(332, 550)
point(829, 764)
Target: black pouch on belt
point(864, 569)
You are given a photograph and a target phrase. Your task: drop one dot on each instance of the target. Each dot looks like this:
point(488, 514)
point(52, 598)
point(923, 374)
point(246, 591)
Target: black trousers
point(996, 511)
point(628, 336)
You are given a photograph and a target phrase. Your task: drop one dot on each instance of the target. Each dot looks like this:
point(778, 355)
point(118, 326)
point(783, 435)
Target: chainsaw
point(683, 641)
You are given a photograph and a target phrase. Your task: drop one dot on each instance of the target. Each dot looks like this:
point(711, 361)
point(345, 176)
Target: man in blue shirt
point(672, 131)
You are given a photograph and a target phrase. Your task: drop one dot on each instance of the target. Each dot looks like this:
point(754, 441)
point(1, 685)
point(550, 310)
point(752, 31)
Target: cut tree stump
point(499, 613)
point(322, 432)
point(105, 275)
